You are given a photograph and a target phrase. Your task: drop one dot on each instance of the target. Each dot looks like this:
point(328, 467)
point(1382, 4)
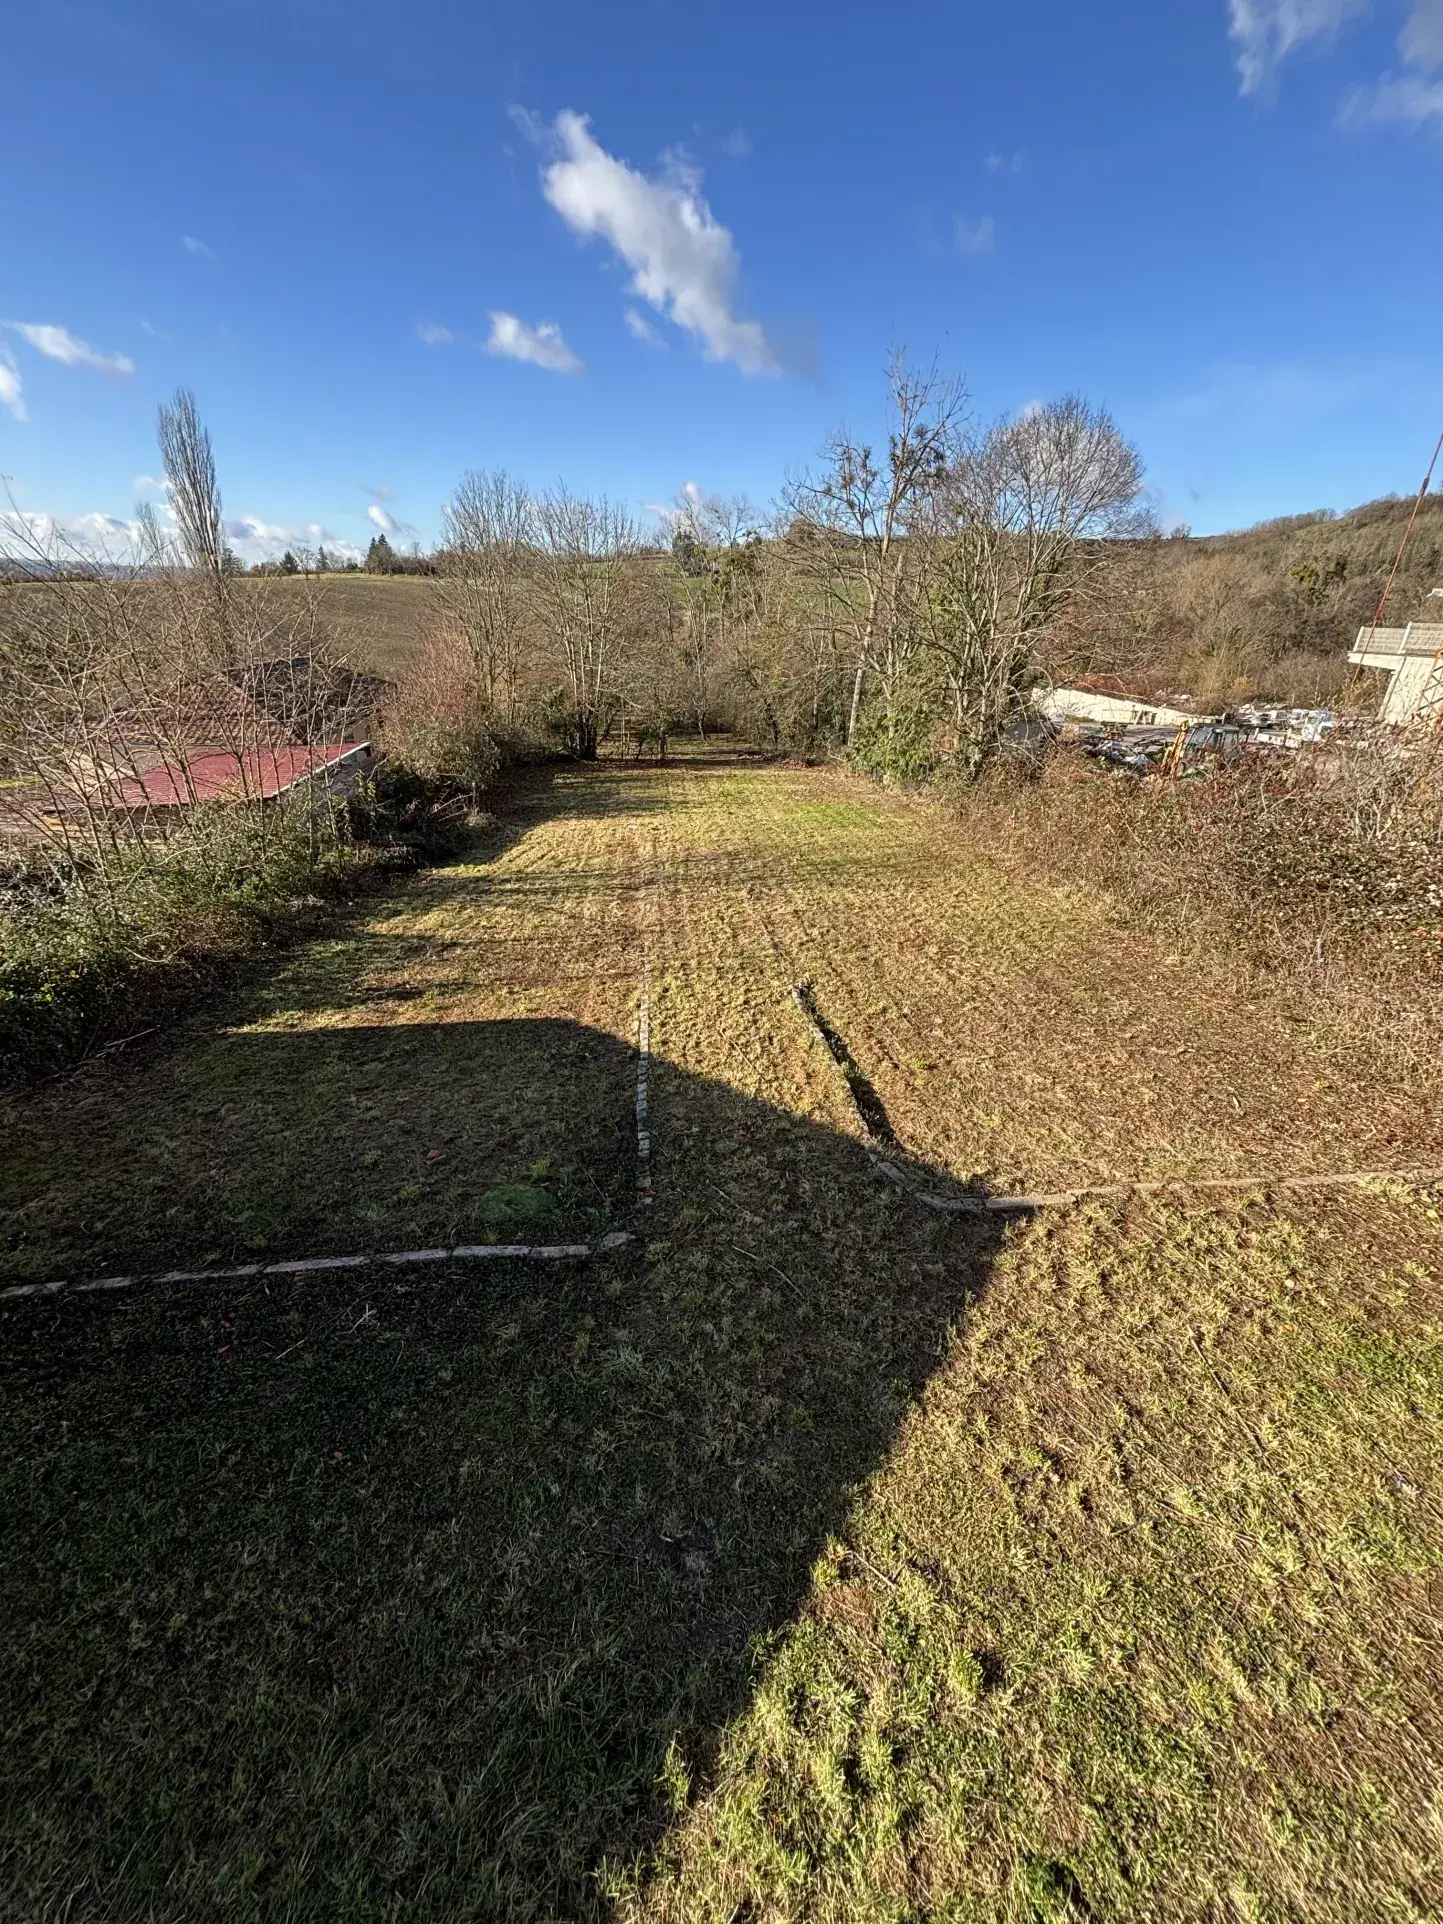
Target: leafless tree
point(191, 482)
point(488, 568)
point(716, 542)
point(859, 523)
point(587, 593)
point(1030, 506)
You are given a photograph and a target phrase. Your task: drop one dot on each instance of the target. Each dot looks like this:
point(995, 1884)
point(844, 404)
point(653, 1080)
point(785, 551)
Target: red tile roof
point(256, 776)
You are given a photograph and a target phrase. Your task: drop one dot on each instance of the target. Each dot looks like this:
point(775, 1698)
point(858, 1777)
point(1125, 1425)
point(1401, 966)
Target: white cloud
point(683, 261)
point(736, 144)
point(641, 329)
point(106, 537)
point(150, 484)
point(996, 163)
point(93, 536)
point(541, 345)
point(1265, 32)
point(1411, 99)
point(250, 527)
point(974, 236)
point(194, 246)
point(255, 539)
point(389, 524)
point(61, 345)
point(12, 393)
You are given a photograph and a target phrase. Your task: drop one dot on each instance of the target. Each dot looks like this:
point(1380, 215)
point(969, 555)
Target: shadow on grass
point(427, 1594)
point(323, 1140)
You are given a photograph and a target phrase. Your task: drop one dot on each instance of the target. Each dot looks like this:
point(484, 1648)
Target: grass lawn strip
point(440, 1073)
point(1022, 1037)
point(875, 1130)
point(1141, 1618)
point(819, 1557)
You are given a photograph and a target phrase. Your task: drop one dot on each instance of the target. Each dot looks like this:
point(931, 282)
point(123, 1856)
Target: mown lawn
point(815, 1557)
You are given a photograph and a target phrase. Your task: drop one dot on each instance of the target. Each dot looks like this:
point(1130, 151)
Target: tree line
point(895, 604)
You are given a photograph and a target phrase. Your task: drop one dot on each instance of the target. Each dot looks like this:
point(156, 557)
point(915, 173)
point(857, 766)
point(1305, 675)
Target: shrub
point(900, 750)
point(90, 952)
point(443, 727)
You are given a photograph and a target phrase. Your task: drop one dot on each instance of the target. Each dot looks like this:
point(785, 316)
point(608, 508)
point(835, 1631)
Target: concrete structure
point(1412, 657)
point(1061, 705)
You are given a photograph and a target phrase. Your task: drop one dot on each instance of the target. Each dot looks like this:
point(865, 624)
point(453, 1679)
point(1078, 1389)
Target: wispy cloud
point(974, 236)
point(684, 262)
point(193, 245)
point(1411, 99)
point(61, 345)
point(12, 392)
point(941, 235)
point(736, 144)
point(1421, 41)
point(389, 524)
point(997, 163)
point(434, 335)
point(541, 345)
point(641, 329)
point(150, 484)
point(1270, 394)
point(1266, 32)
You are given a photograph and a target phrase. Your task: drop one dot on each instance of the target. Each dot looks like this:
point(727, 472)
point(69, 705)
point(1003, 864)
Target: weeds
point(1328, 875)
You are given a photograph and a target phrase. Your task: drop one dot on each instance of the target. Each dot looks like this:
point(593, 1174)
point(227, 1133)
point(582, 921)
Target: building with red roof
point(252, 775)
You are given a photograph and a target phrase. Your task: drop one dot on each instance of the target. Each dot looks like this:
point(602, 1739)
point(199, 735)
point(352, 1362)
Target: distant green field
point(374, 621)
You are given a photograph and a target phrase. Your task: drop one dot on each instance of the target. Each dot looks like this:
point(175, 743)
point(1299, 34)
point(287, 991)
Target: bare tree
point(860, 519)
point(587, 592)
point(194, 491)
point(1031, 504)
point(488, 568)
point(716, 541)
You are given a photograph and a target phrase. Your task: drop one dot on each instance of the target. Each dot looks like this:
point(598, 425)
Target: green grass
point(1138, 1619)
point(815, 1558)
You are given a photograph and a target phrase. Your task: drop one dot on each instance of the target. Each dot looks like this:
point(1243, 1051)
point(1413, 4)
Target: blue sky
point(644, 245)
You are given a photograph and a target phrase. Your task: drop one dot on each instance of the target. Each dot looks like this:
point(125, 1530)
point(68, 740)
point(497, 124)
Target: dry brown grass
point(1324, 877)
point(818, 1559)
point(374, 622)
